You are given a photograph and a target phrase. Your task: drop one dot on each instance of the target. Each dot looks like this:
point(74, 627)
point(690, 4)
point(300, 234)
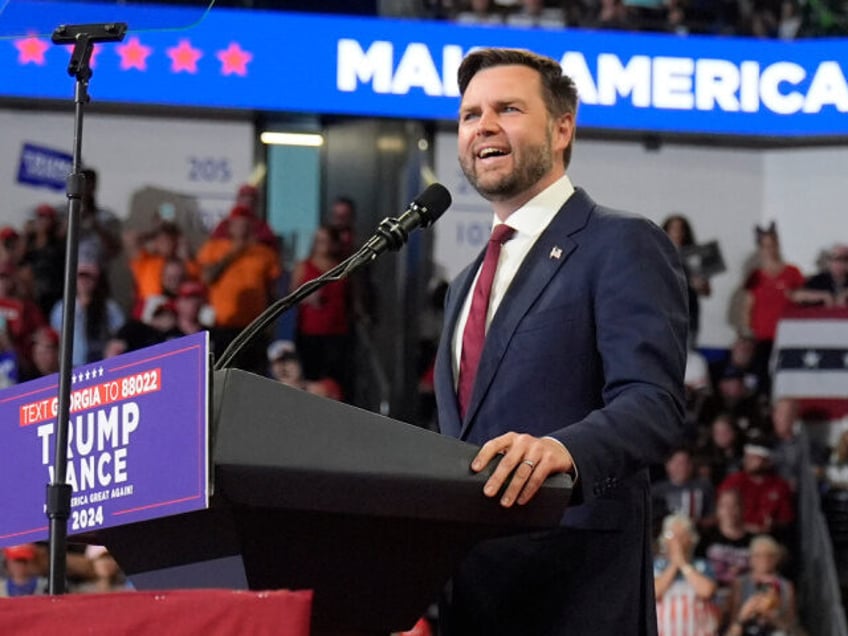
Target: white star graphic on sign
point(73, 378)
point(100, 372)
point(87, 374)
point(811, 359)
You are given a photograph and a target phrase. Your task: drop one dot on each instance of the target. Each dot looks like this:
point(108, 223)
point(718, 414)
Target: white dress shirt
point(528, 221)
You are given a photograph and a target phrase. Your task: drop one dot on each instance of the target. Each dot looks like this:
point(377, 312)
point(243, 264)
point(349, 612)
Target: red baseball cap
point(24, 552)
point(46, 210)
point(8, 232)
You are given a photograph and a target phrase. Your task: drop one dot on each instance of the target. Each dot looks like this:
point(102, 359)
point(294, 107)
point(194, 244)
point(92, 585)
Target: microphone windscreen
point(432, 203)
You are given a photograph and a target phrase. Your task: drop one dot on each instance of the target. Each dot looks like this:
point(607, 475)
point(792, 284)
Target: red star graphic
point(31, 50)
point(94, 51)
point(184, 57)
point(134, 54)
point(234, 60)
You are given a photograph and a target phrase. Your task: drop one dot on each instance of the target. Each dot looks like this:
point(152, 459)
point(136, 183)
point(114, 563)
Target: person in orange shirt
point(148, 254)
point(248, 196)
point(240, 274)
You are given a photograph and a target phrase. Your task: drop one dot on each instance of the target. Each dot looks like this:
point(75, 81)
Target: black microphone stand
point(58, 504)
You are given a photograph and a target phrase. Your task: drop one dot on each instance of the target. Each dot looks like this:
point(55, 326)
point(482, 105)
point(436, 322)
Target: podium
point(370, 513)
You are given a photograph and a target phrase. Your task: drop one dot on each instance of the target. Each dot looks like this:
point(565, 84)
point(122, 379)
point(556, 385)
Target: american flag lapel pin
point(556, 252)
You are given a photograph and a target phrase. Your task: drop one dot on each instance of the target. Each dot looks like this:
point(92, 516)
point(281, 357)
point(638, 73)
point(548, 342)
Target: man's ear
point(563, 132)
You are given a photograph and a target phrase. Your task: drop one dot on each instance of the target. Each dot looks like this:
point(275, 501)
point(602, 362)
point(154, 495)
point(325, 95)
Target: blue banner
point(39, 166)
point(394, 68)
point(137, 445)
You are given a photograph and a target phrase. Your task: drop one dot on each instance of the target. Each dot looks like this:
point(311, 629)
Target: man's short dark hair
point(558, 91)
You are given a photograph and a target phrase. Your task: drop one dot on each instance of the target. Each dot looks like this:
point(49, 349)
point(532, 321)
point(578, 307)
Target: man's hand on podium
point(526, 463)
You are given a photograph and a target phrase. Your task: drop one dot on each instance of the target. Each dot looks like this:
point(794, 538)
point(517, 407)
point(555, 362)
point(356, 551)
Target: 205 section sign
point(137, 441)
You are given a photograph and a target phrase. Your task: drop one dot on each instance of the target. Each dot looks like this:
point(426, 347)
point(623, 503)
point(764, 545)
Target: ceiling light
point(292, 139)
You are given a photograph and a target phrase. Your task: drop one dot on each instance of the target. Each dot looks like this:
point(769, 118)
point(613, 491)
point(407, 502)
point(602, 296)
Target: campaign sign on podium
point(138, 441)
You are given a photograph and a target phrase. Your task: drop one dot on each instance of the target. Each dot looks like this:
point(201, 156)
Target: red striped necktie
point(475, 327)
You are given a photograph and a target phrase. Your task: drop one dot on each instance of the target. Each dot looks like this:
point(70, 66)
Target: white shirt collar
point(534, 216)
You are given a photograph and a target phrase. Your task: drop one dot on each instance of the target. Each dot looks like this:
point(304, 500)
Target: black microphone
point(393, 233)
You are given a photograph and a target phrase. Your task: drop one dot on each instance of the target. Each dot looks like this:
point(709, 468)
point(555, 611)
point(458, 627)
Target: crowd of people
point(716, 17)
point(726, 551)
point(90, 569)
point(726, 500)
point(785, 19)
point(218, 286)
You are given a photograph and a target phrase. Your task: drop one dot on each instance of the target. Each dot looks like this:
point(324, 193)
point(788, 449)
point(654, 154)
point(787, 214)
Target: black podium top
point(292, 449)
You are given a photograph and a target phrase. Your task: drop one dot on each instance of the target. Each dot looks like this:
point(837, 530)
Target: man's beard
point(531, 165)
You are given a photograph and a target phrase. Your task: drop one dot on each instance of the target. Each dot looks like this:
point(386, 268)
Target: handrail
point(819, 596)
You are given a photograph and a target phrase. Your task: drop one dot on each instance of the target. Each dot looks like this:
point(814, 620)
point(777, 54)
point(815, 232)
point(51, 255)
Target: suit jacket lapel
point(546, 257)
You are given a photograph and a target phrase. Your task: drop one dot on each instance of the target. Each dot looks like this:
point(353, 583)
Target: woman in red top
point(323, 323)
point(768, 292)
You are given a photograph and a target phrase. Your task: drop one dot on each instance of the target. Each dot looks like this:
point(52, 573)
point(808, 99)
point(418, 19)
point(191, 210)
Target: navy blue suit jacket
point(588, 346)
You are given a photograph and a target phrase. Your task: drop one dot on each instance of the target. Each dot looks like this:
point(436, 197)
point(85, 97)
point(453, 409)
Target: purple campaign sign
point(138, 441)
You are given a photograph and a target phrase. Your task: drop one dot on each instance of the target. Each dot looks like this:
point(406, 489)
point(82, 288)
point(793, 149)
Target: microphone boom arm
point(341, 271)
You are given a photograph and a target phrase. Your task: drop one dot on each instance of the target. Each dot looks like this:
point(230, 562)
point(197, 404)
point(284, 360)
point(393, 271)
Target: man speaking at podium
point(563, 352)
